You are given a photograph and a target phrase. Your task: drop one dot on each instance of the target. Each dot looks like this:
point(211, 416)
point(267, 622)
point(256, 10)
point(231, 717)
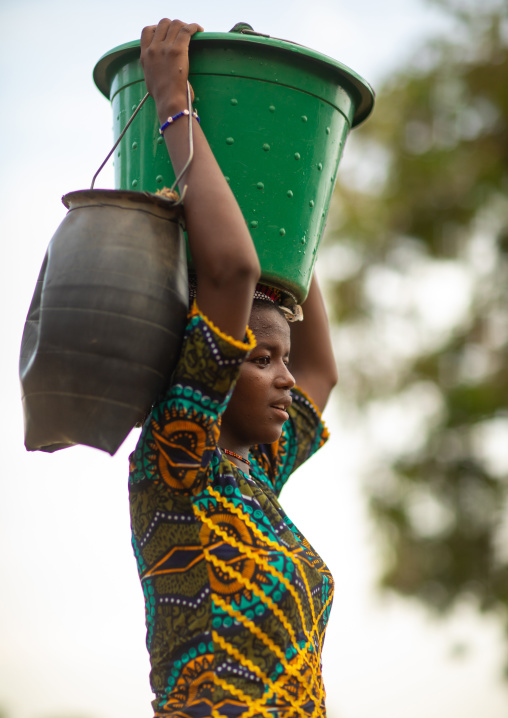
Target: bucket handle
point(191, 144)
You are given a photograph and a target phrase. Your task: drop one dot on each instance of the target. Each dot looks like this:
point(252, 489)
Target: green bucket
point(276, 115)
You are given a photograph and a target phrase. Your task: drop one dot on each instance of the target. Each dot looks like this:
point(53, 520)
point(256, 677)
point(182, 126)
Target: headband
point(280, 298)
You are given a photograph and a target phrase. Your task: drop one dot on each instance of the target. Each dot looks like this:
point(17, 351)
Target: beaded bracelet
point(170, 120)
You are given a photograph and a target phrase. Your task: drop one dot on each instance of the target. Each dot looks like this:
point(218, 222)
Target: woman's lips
point(280, 411)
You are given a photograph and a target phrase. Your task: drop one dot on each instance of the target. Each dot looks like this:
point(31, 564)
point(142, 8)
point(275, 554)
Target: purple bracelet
point(170, 120)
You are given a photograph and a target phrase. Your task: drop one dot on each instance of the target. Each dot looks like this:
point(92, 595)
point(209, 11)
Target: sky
point(71, 609)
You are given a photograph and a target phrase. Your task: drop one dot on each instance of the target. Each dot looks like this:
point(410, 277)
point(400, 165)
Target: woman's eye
point(262, 361)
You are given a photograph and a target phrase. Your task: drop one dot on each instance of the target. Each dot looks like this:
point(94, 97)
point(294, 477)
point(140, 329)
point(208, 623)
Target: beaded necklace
point(237, 456)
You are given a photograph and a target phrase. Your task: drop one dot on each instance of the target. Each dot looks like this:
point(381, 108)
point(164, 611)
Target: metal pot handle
point(191, 144)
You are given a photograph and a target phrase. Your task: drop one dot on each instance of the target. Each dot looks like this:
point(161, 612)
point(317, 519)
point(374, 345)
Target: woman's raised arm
point(224, 256)
point(312, 362)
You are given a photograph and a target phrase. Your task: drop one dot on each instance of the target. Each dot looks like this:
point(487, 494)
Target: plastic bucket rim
point(103, 71)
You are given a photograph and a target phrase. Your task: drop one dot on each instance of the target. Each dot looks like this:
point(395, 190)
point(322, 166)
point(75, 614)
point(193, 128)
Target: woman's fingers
point(171, 30)
point(179, 33)
point(192, 28)
point(163, 29)
point(147, 34)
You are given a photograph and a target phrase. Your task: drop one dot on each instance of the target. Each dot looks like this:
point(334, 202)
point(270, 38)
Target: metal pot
point(104, 328)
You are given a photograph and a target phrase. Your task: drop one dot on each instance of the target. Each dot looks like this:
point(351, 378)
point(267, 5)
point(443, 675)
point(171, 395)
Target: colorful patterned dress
point(236, 599)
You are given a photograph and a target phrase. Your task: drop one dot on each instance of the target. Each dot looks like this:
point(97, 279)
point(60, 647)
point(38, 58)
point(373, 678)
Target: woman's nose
point(285, 378)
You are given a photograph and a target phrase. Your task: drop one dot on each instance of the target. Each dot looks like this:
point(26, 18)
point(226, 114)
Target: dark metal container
point(104, 328)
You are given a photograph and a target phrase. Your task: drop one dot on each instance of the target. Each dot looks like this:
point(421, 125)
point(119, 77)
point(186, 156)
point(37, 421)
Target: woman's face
point(257, 410)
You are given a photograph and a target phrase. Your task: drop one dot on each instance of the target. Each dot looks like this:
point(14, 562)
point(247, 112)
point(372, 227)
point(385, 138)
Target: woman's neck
point(238, 457)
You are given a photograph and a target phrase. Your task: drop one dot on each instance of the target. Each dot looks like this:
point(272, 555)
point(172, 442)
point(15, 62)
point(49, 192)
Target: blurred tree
point(419, 245)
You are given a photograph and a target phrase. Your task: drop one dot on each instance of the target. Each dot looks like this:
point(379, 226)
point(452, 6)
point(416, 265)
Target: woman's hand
point(165, 61)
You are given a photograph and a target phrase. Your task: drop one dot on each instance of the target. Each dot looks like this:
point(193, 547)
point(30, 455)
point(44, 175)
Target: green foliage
point(420, 249)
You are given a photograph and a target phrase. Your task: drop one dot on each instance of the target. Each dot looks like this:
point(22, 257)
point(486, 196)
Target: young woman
point(236, 599)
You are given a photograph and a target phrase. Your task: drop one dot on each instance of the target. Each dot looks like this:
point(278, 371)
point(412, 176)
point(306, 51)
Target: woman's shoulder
point(302, 435)
point(208, 363)
point(183, 425)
